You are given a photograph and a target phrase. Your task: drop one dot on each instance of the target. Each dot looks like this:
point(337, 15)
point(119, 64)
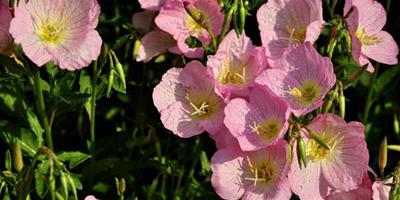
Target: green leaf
point(40, 185)
point(74, 158)
point(8, 161)
point(9, 133)
point(387, 80)
point(122, 41)
point(35, 126)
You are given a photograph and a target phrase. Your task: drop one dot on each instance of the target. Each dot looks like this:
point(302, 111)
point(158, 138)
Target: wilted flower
point(175, 20)
point(286, 22)
point(259, 122)
point(62, 31)
point(302, 77)
point(365, 23)
point(252, 175)
point(187, 102)
point(340, 167)
point(5, 19)
point(236, 65)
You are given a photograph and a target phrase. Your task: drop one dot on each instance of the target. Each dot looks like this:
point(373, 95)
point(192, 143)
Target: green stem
point(42, 109)
point(93, 105)
point(369, 100)
point(228, 18)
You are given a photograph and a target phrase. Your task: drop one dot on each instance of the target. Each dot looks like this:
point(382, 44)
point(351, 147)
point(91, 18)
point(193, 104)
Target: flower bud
point(383, 156)
point(301, 152)
point(17, 155)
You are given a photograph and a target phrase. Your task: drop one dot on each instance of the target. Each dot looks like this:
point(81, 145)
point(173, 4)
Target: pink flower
point(252, 175)
point(286, 22)
point(154, 42)
point(364, 191)
point(187, 102)
point(224, 139)
point(236, 65)
point(91, 197)
point(151, 4)
point(380, 190)
point(175, 20)
point(302, 77)
point(365, 24)
point(62, 31)
point(5, 19)
point(340, 168)
point(259, 122)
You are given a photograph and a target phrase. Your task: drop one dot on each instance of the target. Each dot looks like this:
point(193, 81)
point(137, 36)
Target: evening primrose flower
point(258, 122)
point(252, 175)
point(205, 17)
point(154, 41)
point(5, 19)
point(302, 77)
point(62, 31)
point(236, 65)
point(286, 22)
point(187, 103)
point(365, 23)
point(339, 167)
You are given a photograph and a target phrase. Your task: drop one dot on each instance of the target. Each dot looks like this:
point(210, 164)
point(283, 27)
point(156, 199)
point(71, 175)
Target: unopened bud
point(301, 152)
point(317, 138)
point(383, 156)
point(17, 157)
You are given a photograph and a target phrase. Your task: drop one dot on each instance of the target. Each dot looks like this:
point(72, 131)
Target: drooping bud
point(342, 100)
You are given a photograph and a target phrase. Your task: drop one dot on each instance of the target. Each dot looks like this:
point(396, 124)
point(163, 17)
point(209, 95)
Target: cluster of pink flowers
point(245, 97)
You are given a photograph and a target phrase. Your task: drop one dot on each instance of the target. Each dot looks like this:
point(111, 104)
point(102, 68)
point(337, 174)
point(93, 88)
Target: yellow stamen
point(367, 39)
point(233, 76)
point(268, 130)
point(262, 173)
point(52, 31)
point(307, 93)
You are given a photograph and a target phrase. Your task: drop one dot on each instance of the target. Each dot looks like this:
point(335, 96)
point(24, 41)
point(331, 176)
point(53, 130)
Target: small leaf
point(35, 126)
point(40, 185)
point(122, 41)
point(387, 80)
point(74, 158)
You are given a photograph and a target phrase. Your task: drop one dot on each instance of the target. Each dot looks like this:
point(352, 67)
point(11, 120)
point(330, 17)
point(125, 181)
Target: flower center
point(52, 32)
point(232, 75)
point(367, 39)
point(202, 106)
point(267, 130)
point(316, 152)
point(196, 21)
point(262, 173)
point(307, 93)
point(296, 35)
